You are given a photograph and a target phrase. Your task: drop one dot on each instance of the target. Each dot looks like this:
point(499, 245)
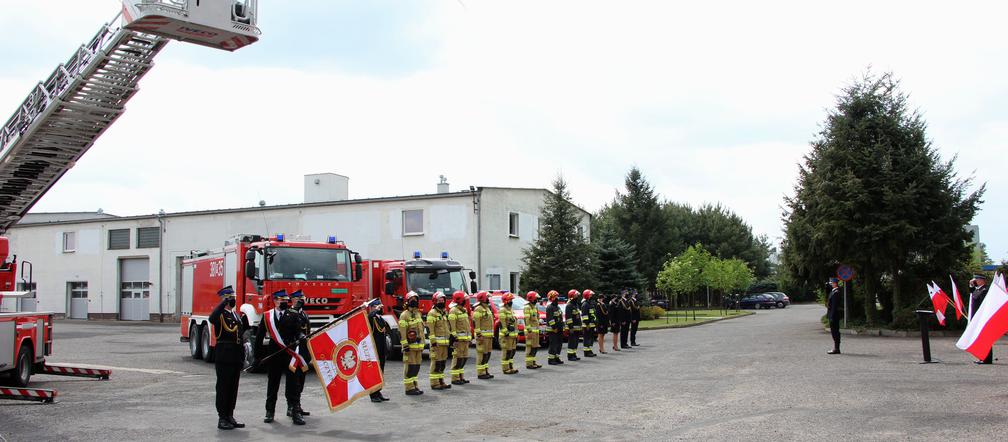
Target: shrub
point(653, 312)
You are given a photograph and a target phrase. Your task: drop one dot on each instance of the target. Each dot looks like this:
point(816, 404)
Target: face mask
point(413, 303)
point(283, 305)
point(299, 305)
point(231, 302)
point(441, 305)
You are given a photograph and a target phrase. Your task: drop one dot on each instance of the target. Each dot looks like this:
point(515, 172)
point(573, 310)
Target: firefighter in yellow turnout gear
point(411, 332)
point(507, 334)
point(531, 330)
point(459, 325)
point(483, 320)
point(437, 327)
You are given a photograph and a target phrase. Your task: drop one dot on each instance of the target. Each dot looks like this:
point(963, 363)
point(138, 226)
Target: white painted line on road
point(138, 370)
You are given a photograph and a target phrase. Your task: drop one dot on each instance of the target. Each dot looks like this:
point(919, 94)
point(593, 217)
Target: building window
point(119, 239)
point(148, 237)
point(494, 282)
point(69, 242)
point(513, 224)
point(412, 222)
point(78, 289)
point(134, 289)
point(27, 286)
point(513, 286)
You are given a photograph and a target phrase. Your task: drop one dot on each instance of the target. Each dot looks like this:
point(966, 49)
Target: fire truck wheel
point(205, 346)
point(23, 369)
point(194, 341)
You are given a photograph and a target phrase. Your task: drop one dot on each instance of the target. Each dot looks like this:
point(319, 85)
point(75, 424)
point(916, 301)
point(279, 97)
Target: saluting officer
point(460, 324)
point(229, 357)
point(303, 324)
point(439, 331)
point(531, 330)
point(979, 284)
point(555, 330)
point(588, 323)
point(276, 323)
point(615, 321)
point(572, 319)
point(412, 340)
point(508, 333)
point(833, 306)
point(379, 328)
point(483, 320)
point(634, 318)
point(602, 315)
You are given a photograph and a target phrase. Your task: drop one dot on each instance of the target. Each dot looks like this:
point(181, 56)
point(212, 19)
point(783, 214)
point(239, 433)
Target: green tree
point(638, 219)
point(560, 258)
point(874, 193)
point(684, 274)
point(615, 262)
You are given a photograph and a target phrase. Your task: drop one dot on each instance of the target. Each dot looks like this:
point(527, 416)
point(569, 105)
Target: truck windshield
point(309, 264)
point(426, 283)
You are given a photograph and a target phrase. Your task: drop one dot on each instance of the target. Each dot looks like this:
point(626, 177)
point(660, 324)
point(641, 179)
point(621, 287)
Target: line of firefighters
point(584, 319)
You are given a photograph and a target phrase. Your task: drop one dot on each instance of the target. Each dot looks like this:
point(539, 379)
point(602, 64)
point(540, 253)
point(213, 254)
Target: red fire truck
point(391, 279)
point(330, 275)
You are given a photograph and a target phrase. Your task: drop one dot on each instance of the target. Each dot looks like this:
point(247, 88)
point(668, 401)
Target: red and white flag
point(346, 361)
point(989, 323)
point(940, 301)
point(957, 298)
point(999, 280)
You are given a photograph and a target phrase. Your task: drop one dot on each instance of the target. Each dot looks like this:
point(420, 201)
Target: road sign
point(845, 272)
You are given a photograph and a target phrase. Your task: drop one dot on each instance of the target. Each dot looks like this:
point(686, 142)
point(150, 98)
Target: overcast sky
point(714, 101)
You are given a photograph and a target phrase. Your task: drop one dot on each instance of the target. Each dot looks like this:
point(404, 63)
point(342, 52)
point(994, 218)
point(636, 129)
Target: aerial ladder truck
point(61, 119)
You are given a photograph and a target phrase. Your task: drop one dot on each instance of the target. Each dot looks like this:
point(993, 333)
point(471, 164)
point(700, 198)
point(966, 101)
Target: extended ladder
point(64, 115)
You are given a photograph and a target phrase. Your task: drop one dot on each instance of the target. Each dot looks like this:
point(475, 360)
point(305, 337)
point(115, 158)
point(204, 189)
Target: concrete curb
point(880, 332)
point(666, 327)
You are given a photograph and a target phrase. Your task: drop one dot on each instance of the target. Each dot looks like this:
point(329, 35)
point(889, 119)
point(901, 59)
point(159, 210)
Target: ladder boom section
point(64, 114)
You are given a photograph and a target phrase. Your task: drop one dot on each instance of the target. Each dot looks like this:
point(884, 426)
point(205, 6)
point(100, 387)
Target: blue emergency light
point(280, 237)
point(416, 254)
point(332, 239)
point(444, 255)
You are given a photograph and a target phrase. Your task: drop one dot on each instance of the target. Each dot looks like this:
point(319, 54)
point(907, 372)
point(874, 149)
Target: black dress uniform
point(303, 330)
point(624, 310)
point(229, 357)
point(379, 329)
point(976, 298)
point(634, 319)
point(833, 314)
point(277, 365)
point(602, 316)
point(555, 324)
point(614, 319)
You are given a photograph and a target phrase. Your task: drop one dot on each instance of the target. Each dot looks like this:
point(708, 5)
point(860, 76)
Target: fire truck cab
point(330, 275)
point(392, 279)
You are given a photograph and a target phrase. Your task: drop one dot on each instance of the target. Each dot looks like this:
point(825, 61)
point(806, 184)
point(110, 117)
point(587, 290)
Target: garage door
point(134, 289)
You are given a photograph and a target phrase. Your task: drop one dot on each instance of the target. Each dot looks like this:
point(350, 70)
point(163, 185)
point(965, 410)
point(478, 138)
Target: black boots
point(269, 417)
point(225, 424)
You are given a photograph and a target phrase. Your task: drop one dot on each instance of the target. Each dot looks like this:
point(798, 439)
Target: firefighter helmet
point(483, 297)
point(588, 294)
point(573, 293)
point(412, 295)
point(552, 295)
point(438, 297)
point(459, 297)
point(532, 296)
point(507, 297)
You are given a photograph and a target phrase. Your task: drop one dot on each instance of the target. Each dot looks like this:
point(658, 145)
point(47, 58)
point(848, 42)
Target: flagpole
point(317, 331)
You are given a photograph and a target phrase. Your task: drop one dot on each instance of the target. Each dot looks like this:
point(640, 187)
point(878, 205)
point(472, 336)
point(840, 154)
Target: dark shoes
point(414, 392)
point(834, 351)
point(511, 371)
point(634, 344)
point(625, 346)
point(235, 423)
point(573, 358)
point(225, 424)
point(378, 397)
point(299, 410)
point(590, 355)
point(458, 382)
point(269, 417)
point(485, 376)
point(297, 419)
point(555, 362)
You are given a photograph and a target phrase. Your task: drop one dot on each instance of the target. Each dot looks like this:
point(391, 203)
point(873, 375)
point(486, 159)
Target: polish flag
point(999, 280)
point(989, 323)
point(957, 298)
point(346, 361)
point(940, 301)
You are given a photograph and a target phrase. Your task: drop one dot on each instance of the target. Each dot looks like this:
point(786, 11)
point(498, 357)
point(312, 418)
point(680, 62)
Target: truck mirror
point(250, 255)
point(389, 288)
point(472, 275)
point(358, 270)
point(250, 270)
point(472, 287)
point(390, 275)
point(357, 258)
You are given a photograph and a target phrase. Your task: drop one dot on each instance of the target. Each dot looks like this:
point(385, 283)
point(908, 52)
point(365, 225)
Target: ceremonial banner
point(988, 324)
point(346, 361)
point(958, 299)
point(940, 301)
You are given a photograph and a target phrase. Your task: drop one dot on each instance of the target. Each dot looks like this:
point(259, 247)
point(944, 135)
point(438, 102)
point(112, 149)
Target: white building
point(100, 266)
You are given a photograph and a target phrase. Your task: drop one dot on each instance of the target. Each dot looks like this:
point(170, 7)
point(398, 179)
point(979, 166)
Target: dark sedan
point(758, 301)
point(782, 299)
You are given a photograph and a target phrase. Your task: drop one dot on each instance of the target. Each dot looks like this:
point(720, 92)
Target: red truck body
point(328, 273)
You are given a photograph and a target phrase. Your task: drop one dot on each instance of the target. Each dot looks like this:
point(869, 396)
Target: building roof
point(42, 218)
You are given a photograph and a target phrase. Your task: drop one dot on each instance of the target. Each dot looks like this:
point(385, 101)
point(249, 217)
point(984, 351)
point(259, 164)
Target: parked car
point(781, 298)
point(757, 301)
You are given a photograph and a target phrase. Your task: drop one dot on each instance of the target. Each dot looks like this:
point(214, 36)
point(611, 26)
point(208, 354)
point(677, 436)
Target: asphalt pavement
point(759, 377)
